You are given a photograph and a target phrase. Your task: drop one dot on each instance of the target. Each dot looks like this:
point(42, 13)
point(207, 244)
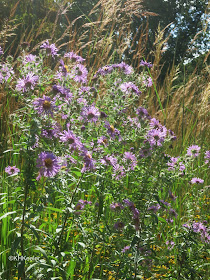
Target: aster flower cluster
point(74, 57)
point(175, 164)
point(129, 87)
point(51, 131)
point(108, 69)
point(165, 206)
point(148, 82)
point(117, 207)
point(147, 64)
point(207, 157)
point(143, 113)
point(200, 228)
point(51, 50)
point(81, 205)
point(101, 138)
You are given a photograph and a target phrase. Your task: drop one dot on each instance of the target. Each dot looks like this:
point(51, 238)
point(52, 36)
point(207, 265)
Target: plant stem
point(67, 214)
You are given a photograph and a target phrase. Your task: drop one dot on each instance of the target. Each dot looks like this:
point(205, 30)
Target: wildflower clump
point(89, 151)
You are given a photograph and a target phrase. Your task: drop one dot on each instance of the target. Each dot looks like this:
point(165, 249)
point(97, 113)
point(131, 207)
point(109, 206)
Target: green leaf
point(42, 251)
point(7, 214)
point(55, 209)
point(162, 220)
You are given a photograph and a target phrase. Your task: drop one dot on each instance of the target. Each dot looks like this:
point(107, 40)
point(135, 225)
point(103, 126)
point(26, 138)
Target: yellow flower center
point(46, 105)
point(89, 155)
point(112, 128)
point(48, 162)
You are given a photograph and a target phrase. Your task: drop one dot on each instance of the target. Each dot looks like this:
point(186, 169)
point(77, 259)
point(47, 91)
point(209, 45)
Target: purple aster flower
point(70, 138)
point(134, 211)
point(155, 124)
point(169, 220)
point(64, 68)
point(107, 69)
point(143, 113)
point(109, 160)
point(126, 248)
point(48, 165)
point(145, 152)
point(1, 51)
point(173, 163)
point(154, 208)
point(62, 91)
point(134, 122)
point(118, 171)
point(30, 58)
point(82, 101)
point(88, 162)
point(66, 161)
point(147, 64)
point(85, 202)
point(171, 244)
point(27, 83)
point(6, 72)
point(50, 49)
point(44, 105)
point(127, 69)
point(51, 131)
point(136, 218)
point(148, 82)
point(74, 57)
point(207, 157)
point(193, 151)
point(12, 170)
point(196, 181)
point(81, 205)
point(186, 226)
point(90, 114)
point(155, 137)
point(198, 227)
point(83, 90)
point(119, 225)
point(129, 203)
point(129, 87)
point(111, 130)
point(130, 158)
point(172, 196)
point(79, 73)
point(173, 213)
point(116, 206)
point(103, 140)
point(165, 203)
